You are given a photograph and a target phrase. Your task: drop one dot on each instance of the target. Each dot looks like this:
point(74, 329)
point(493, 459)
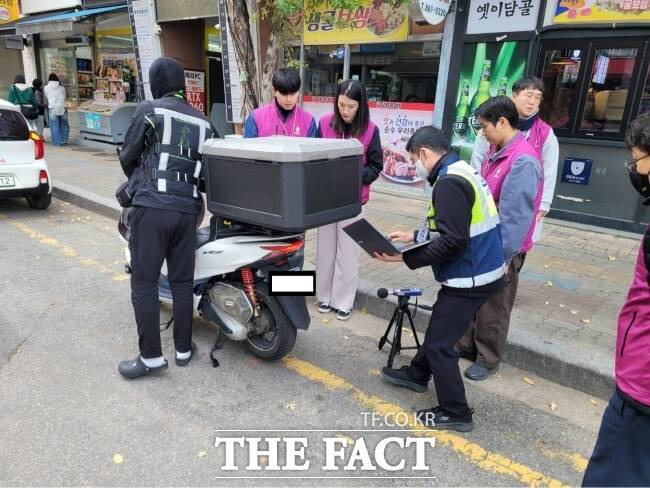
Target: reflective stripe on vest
point(163, 160)
point(485, 219)
point(485, 216)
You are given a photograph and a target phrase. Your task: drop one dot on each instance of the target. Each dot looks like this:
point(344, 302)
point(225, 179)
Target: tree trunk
point(239, 23)
point(272, 62)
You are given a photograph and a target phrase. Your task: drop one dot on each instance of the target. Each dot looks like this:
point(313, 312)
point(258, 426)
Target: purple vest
point(327, 132)
point(269, 122)
point(537, 137)
point(495, 174)
point(633, 335)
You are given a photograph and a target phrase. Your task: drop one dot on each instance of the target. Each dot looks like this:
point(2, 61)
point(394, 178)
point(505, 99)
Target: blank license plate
point(7, 181)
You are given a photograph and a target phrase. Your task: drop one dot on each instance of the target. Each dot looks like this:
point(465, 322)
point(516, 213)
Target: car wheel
point(39, 202)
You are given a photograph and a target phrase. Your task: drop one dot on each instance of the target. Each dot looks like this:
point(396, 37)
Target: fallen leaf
point(593, 402)
point(118, 459)
point(549, 284)
point(574, 312)
point(546, 266)
point(547, 303)
point(202, 454)
point(346, 338)
point(327, 321)
point(552, 406)
point(496, 375)
point(364, 311)
point(562, 305)
point(374, 372)
point(612, 258)
point(586, 321)
point(529, 381)
point(291, 406)
point(87, 218)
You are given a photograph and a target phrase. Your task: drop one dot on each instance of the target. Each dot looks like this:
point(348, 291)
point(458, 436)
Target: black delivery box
point(284, 183)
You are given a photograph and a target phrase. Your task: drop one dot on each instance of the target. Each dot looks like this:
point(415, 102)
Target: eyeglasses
point(630, 164)
point(533, 97)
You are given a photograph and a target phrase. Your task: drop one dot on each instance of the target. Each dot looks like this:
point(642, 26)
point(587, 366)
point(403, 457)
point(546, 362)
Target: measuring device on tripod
point(397, 321)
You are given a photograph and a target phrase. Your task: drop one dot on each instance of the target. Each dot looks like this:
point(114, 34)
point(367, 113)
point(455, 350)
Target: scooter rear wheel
point(280, 335)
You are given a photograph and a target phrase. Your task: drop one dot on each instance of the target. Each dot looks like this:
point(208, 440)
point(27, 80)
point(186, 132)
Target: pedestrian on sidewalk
point(527, 94)
point(161, 156)
point(41, 103)
point(514, 175)
point(621, 455)
point(467, 259)
point(337, 255)
point(57, 111)
point(283, 117)
point(21, 94)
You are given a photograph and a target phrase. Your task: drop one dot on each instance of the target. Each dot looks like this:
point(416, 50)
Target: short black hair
point(37, 83)
point(52, 77)
point(19, 79)
point(286, 81)
point(638, 133)
point(528, 83)
point(496, 107)
point(352, 89)
point(429, 137)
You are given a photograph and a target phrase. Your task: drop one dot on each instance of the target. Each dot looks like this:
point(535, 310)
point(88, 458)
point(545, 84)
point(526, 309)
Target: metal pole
point(346, 63)
point(302, 68)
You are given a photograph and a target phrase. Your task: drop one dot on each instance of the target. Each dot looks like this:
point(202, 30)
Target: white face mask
point(421, 170)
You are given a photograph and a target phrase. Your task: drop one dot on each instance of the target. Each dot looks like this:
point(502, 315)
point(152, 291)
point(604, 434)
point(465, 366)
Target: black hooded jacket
point(141, 155)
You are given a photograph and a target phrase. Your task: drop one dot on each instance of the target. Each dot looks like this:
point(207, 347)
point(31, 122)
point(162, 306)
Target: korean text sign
point(375, 21)
point(497, 16)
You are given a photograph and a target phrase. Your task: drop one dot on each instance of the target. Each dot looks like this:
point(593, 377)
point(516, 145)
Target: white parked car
point(23, 170)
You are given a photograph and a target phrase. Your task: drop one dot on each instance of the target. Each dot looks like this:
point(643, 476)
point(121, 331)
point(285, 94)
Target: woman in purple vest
point(337, 257)
point(621, 456)
point(282, 117)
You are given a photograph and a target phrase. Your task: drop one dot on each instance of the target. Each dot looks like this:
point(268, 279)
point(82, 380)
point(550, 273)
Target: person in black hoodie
point(161, 156)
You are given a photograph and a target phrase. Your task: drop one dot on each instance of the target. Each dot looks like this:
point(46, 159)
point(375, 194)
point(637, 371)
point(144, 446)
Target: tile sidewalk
point(571, 288)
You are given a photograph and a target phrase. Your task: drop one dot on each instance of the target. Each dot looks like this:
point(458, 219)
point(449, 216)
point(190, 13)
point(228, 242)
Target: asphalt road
point(68, 418)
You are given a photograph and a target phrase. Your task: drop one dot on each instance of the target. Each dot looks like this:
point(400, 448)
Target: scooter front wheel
point(279, 334)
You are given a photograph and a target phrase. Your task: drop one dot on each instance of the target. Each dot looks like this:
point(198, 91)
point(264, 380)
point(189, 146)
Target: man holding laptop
point(467, 259)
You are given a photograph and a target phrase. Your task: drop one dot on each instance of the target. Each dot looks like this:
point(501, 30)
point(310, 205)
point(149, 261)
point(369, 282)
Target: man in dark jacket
point(161, 156)
point(467, 259)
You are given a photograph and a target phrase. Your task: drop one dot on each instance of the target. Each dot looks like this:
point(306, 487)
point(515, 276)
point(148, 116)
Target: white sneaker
point(344, 314)
point(324, 307)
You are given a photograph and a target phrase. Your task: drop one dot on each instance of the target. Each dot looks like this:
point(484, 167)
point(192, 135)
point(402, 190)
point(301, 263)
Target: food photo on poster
point(396, 121)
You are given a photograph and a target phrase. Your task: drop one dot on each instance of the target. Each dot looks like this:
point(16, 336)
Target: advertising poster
point(488, 69)
point(9, 11)
point(571, 11)
point(376, 21)
point(195, 89)
point(396, 121)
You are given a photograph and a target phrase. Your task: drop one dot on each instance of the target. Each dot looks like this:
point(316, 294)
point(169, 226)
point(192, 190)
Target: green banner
point(488, 69)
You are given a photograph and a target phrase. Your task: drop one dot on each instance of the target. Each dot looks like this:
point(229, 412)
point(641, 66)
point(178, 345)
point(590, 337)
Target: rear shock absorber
point(248, 279)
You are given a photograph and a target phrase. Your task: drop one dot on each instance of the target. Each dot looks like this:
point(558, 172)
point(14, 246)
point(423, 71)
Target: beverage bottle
point(462, 111)
point(481, 95)
point(503, 86)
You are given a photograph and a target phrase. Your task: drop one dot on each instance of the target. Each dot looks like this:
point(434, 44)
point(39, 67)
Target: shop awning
point(60, 21)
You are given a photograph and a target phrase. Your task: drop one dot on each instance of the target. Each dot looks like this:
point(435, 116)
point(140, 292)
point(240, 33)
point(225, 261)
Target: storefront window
point(560, 76)
point(61, 61)
point(324, 70)
point(610, 79)
point(644, 106)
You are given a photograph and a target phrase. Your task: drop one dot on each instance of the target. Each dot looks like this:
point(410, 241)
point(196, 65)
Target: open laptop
point(372, 241)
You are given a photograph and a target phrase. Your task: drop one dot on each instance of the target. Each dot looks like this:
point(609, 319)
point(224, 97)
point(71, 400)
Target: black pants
point(157, 235)
point(450, 319)
point(621, 456)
